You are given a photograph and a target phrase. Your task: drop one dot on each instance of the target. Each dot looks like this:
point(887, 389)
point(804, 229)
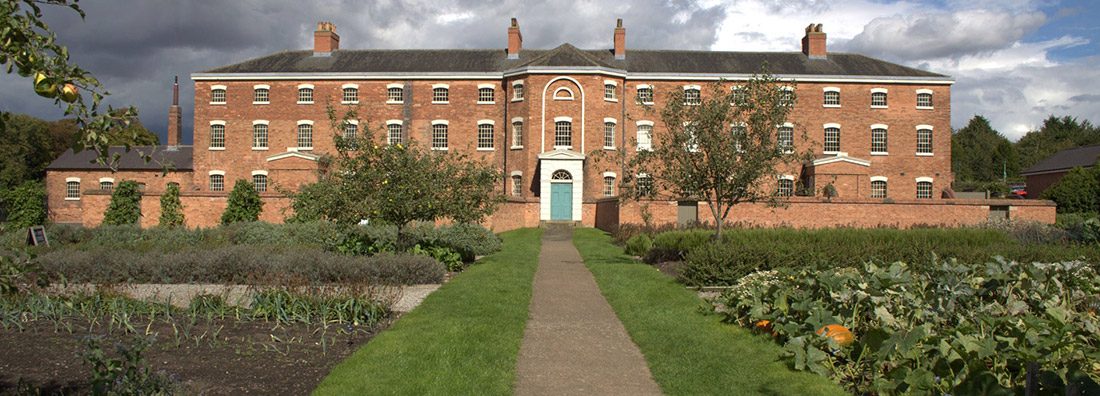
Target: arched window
point(924, 98)
point(609, 134)
point(878, 98)
point(609, 186)
point(563, 134)
point(517, 185)
point(786, 187)
point(217, 136)
point(394, 132)
point(439, 135)
point(259, 136)
point(72, 189)
point(486, 95)
point(351, 130)
point(645, 137)
point(878, 188)
point(878, 139)
point(832, 139)
point(924, 189)
point(484, 136)
point(561, 174)
point(261, 94)
point(563, 93)
point(260, 182)
point(645, 185)
point(217, 94)
point(785, 138)
point(350, 94)
point(517, 90)
point(305, 136)
point(645, 94)
point(305, 95)
point(832, 97)
point(609, 88)
point(517, 134)
point(440, 95)
point(395, 95)
point(692, 95)
point(924, 140)
point(217, 182)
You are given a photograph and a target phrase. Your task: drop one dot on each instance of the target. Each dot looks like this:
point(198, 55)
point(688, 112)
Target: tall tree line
point(980, 153)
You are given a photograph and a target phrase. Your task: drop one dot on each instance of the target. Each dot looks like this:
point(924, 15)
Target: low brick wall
point(802, 212)
point(200, 210)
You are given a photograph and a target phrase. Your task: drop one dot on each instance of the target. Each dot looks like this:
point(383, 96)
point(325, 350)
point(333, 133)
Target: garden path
point(573, 342)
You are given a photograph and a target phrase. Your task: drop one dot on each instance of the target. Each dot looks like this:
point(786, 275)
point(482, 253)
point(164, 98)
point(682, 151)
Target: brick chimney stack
point(620, 40)
point(813, 44)
point(325, 39)
point(175, 122)
point(515, 40)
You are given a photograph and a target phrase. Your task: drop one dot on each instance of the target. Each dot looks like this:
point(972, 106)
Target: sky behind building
point(1014, 61)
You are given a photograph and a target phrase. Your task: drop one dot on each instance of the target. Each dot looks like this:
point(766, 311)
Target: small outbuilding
point(1051, 169)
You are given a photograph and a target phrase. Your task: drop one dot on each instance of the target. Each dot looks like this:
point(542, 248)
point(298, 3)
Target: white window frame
point(297, 138)
point(615, 125)
point(566, 89)
point(312, 96)
point(400, 139)
point(445, 87)
point(431, 137)
point(887, 138)
point(789, 149)
point(263, 173)
point(880, 179)
point(209, 142)
point(614, 179)
point(883, 91)
point(840, 132)
point(395, 86)
point(638, 142)
point(778, 184)
point(928, 180)
point(72, 180)
point(517, 183)
point(518, 88)
point(563, 119)
point(344, 130)
point(931, 139)
point(652, 93)
point(825, 91)
point(223, 88)
point(492, 135)
point(491, 87)
point(517, 120)
point(614, 91)
point(346, 87)
point(928, 92)
point(266, 138)
point(258, 87)
point(784, 99)
point(737, 91)
point(210, 180)
point(698, 89)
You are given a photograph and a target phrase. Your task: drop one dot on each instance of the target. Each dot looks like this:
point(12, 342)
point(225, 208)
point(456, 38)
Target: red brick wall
point(1036, 184)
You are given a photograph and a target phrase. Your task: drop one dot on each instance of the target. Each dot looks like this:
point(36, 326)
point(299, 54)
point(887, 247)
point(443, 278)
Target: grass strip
point(689, 352)
point(463, 339)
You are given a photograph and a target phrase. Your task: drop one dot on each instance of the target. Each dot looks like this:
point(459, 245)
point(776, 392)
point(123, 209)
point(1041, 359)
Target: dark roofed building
point(160, 158)
point(1051, 169)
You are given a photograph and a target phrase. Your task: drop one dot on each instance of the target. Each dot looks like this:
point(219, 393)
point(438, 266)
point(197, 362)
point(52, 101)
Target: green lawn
point(463, 339)
point(689, 353)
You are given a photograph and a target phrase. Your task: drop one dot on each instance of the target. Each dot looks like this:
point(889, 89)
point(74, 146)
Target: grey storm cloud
point(136, 47)
point(942, 34)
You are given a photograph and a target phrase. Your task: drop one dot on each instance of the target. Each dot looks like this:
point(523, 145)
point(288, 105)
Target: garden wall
point(805, 212)
point(199, 209)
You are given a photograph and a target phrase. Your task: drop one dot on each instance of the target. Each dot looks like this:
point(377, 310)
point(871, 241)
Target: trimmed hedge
point(743, 251)
point(239, 264)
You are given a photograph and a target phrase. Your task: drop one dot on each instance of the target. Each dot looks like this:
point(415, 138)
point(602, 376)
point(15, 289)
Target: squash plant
point(940, 328)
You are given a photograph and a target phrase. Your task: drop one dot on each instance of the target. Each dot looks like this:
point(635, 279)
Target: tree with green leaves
point(722, 147)
point(1077, 192)
point(25, 204)
point(1056, 134)
point(980, 153)
point(396, 184)
point(171, 209)
point(28, 47)
point(125, 207)
point(244, 203)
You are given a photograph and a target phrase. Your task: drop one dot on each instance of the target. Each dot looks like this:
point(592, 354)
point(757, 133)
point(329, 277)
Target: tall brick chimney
point(175, 123)
point(813, 44)
point(325, 39)
point(620, 40)
point(515, 40)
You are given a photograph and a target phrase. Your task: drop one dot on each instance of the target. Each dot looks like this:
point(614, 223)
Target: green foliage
point(397, 184)
point(980, 153)
point(1055, 135)
point(449, 258)
point(996, 188)
point(171, 209)
point(674, 245)
point(20, 274)
point(945, 328)
point(469, 240)
point(1077, 192)
point(125, 207)
point(244, 204)
point(639, 245)
point(128, 374)
point(334, 306)
point(697, 154)
point(29, 48)
point(26, 151)
point(25, 205)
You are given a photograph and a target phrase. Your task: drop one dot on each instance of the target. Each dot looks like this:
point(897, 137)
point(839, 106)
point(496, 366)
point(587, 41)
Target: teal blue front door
point(561, 201)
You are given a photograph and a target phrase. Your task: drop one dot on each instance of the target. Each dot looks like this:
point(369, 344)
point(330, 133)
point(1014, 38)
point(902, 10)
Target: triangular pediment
point(565, 55)
point(293, 154)
point(561, 154)
point(841, 157)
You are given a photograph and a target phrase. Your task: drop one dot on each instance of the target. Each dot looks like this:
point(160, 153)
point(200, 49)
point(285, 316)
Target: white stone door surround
point(569, 161)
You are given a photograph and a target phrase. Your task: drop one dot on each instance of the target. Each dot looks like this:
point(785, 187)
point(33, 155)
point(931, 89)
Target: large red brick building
point(880, 131)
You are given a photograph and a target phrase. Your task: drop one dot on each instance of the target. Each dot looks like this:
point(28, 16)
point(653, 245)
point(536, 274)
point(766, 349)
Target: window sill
point(395, 102)
point(517, 100)
point(517, 147)
point(831, 106)
point(486, 149)
point(217, 148)
point(440, 148)
point(305, 103)
point(610, 100)
point(643, 149)
point(880, 153)
point(261, 103)
point(435, 102)
point(217, 103)
point(880, 107)
point(609, 148)
point(925, 154)
point(486, 103)
point(647, 103)
point(72, 199)
point(830, 152)
point(563, 147)
point(349, 102)
point(259, 149)
point(304, 148)
point(925, 108)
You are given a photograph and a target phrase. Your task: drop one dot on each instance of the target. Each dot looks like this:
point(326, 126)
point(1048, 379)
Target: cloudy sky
point(1015, 61)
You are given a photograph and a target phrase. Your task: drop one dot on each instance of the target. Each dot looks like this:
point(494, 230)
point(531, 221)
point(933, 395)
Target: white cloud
point(944, 34)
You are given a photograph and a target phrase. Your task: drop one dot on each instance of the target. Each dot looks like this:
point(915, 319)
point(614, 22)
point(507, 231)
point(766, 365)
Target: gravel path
point(574, 344)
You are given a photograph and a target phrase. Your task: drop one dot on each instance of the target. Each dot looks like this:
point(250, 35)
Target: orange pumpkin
point(838, 333)
point(764, 325)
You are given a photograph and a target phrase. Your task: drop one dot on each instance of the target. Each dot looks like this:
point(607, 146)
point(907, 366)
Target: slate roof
point(1065, 160)
point(566, 55)
point(176, 158)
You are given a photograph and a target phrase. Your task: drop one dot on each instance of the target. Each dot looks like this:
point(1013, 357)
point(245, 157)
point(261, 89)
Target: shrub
point(128, 374)
point(1077, 191)
point(244, 203)
point(125, 207)
point(639, 245)
point(674, 245)
point(26, 205)
point(171, 209)
point(449, 258)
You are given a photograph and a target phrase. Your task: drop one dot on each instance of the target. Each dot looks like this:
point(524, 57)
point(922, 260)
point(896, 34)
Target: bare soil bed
point(211, 357)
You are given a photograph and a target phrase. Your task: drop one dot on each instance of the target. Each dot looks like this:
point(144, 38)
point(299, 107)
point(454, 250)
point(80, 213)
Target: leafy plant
point(244, 204)
point(1077, 192)
point(449, 258)
point(25, 205)
point(125, 207)
point(638, 245)
point(171, 209)
point(19, 274)
point(127, 374)
point(944, 328)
